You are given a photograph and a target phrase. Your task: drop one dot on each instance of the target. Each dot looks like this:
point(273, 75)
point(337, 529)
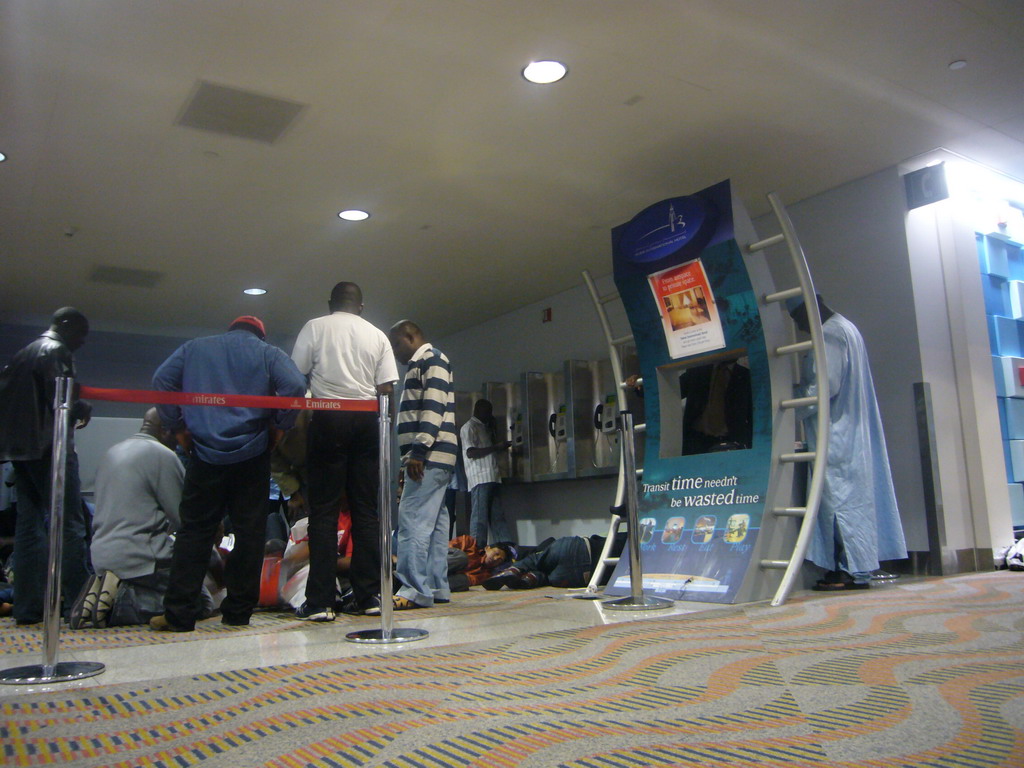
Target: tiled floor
point(323, 641)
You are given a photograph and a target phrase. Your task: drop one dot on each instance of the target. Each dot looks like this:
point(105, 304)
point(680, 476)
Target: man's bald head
point(153, 426)
point(406, 337)
point(151, 423)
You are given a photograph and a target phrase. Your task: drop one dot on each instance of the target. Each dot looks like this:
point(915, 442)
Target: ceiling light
point(958, 64)
point(2, 157)
point(354, 215)
point(544, 72)
point(255, 291)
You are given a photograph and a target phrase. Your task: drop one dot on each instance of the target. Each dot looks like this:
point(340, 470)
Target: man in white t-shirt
point(480, 453)
point(343, 356)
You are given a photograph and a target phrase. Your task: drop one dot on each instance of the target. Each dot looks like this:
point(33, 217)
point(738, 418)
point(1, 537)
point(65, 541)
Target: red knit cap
point(253, 322)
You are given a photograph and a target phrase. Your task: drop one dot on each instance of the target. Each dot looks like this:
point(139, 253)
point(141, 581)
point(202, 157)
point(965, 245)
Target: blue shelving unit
point(1002, 278)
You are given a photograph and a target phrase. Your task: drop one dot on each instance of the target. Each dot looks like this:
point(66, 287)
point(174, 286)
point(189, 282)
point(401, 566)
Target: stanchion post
point(637, 601)
point(386, 576)
point(387, 633)
point(636, 574)
point(59, 462)
point(50, 671)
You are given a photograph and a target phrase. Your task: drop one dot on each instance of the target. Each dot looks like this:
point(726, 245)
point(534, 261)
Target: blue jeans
point(487, 515)
point(31, 541)
point(423, 538)
point(565, 563)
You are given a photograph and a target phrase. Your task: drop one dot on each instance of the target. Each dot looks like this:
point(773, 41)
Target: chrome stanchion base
point(643, 603)
point(35, 674)
point(376, 636)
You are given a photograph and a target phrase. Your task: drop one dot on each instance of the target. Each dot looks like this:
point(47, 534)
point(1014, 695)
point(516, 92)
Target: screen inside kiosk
point(706, 405)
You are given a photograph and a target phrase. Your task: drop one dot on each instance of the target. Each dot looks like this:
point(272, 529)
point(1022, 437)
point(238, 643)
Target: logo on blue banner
point(663, 228)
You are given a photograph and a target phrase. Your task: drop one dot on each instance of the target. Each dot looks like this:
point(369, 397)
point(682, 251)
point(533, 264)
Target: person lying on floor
point(566, 562)
point(469, 564)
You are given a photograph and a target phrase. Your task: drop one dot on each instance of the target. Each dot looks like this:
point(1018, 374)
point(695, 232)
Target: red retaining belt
point(242, 401)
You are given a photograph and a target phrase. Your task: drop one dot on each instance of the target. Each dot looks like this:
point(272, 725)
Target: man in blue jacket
point(229, 469)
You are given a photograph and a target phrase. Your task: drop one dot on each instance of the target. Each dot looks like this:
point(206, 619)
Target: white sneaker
point(305, 613)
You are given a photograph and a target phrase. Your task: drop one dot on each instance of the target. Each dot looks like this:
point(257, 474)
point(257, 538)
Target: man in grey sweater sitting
point(138, 492)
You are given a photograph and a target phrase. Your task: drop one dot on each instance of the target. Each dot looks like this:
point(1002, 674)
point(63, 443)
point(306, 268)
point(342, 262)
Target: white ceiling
point(486, 192)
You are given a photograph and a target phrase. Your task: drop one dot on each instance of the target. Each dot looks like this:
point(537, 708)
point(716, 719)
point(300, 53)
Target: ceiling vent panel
point(133, 278)
point(231, 111)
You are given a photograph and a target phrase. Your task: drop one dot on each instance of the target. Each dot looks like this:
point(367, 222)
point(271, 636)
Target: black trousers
point(31, 536)
point(342, 464)
point(240, 490)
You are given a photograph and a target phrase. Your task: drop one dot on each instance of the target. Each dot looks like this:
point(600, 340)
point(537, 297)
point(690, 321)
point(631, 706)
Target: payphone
point(546, 426)
point(508, 418)
point(595, 410)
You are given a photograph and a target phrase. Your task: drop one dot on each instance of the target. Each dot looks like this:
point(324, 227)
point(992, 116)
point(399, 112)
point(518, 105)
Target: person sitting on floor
point(294, 568)
point(138, 492)
point(565, 562)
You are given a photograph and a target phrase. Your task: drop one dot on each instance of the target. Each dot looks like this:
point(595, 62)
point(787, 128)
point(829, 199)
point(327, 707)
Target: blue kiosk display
point(690, 293)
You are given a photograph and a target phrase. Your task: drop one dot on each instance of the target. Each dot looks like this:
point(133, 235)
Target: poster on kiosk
point(706, 394)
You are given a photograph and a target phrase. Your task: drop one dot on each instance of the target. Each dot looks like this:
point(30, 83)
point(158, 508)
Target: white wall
point(504, 347)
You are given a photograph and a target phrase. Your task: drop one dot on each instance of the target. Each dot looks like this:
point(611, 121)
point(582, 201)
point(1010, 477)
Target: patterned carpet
point(927, 673)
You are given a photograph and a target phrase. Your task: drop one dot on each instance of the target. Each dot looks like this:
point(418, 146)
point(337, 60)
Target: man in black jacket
point(27, 389)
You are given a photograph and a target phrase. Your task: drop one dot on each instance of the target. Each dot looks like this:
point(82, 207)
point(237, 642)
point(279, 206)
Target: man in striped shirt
point(429, 447)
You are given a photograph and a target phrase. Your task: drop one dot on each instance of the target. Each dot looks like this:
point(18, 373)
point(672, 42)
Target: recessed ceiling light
point(958, 64)
point(544, 72)
point(255, 291)
point(354, 215)
point(2, 157)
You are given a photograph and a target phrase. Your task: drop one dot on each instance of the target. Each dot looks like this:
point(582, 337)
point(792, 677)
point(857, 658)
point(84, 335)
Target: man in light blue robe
point(858, 522)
